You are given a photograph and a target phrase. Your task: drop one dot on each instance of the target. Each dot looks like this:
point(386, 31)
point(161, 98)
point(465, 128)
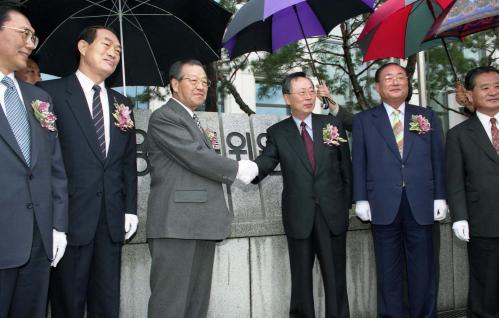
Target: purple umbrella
point(267, 25)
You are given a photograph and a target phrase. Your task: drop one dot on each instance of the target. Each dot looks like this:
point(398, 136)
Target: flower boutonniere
point(419, 124)
point(331, 136)
point(122, 116)
point(212, 137)
point(43, 115)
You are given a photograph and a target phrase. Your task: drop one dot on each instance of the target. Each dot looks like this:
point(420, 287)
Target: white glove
point(461, 230)
point(59, 243)
point(131, 222)
point(439, 210)
point(248, 170)
point(363, 210)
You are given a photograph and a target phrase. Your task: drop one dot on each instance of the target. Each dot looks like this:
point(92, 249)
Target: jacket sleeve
point(455, 178)
point(269, 158)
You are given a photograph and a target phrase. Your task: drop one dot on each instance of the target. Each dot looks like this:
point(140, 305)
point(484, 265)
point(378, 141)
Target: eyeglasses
point(390, 78)
point(27, 34)
point(303, 93)
point(195, 81)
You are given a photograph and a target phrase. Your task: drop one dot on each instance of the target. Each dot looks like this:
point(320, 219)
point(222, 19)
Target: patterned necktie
point(198, 123)
point(17, 118)
point(98, 119)
point(495, 134)
point(398, 131)
point(309, 145)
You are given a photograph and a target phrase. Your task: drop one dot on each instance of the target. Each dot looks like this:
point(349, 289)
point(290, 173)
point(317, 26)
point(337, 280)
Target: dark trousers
point(181, 272)
point(405, 237)
point(483, 297)
point(88, 274)
point(23, 290)
point(331, 252)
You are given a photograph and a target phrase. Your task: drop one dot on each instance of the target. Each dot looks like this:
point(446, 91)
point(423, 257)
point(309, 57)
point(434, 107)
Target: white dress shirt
point(389, 110)
point(87, 85)
point(308, 123)
point(3, 89)
point(487, 125)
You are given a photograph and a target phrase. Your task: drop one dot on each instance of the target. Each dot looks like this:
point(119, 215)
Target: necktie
point(17, 118)
point(198, 123)
point(309, 145)
point(398, 131)
point(98, 119)
point(495, 134)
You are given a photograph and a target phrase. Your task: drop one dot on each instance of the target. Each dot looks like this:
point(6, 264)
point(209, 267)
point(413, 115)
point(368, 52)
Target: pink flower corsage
point(122, 116)
point(331, 136)
point(419, 124)
point(212, 137)
point(43, 115)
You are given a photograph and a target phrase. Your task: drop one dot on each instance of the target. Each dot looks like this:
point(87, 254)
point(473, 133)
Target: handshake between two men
point(247, 171)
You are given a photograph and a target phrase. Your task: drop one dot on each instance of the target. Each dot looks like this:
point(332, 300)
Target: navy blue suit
point(401, 193)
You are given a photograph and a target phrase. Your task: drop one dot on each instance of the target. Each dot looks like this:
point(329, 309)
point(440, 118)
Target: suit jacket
point(91, 179)
point(380, 173)
point(473, 178)
point(329, 186)
point(186, 200)
point(345, 117)
point(31, 192)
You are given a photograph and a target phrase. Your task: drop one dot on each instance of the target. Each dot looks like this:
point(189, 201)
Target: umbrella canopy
point(398, 28)
point(153, 34)
point(465, 17)
point(267, 25)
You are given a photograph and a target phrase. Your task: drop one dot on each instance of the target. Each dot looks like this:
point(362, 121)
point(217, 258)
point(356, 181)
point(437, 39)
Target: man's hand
point(248, 170)
point(323, 91)
point(461, 230)
point(439, 210)
point(363, 210)
point(59, 243)
point(131, 223)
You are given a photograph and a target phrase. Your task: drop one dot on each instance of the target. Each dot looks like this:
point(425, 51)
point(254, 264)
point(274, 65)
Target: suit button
point(403, 166)
point(30, 177)
point(29, 206)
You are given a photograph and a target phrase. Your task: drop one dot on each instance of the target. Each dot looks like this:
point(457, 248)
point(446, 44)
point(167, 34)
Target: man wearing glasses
point(33, 196)
point(186, 213)
point(399, 186)
point(315, 161)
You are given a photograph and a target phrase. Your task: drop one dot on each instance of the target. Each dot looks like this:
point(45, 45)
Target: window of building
point(272, 103)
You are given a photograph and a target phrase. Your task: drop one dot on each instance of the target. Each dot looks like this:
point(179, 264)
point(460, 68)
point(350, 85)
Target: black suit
point(314, 210)
point(473, 183)
point(33, 202)
point(101, 191)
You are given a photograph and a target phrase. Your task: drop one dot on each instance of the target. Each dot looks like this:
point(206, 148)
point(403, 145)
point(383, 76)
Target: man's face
point(14, 49)
point(99, 59)
point(192, 88)
point(485, 94)
point(29, 74)
point(393, 85)
point(301, 98)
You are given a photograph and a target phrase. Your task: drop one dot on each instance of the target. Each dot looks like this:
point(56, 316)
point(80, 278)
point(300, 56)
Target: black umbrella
point(153, 33)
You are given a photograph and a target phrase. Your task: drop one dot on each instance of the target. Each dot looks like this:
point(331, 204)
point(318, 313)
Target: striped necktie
point(495, 134)
point(198, 122)
point(398, 131)
point(98, 120)
point(309, 144)
point(18, 118)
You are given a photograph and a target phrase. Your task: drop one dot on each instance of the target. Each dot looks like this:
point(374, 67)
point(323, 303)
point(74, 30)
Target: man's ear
point(82, 47)
point(286, 99)
point(174, 85)
point(469, 94)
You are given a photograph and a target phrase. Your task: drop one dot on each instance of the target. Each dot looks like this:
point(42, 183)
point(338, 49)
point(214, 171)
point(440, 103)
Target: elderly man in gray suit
point(187, 213)
point(33, 196)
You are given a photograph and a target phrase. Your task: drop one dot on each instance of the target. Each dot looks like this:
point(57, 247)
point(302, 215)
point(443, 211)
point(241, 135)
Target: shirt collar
point(307, 120)
point(191, 113)
point(485, 119)
point(11, 75)
point(87, 84)
point(389, 109)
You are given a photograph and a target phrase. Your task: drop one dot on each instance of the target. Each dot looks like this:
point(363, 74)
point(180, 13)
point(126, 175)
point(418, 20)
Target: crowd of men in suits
point(69, 188)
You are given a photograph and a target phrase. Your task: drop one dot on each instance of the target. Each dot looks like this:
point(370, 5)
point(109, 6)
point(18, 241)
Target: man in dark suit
point(186, 213)
point(99, 149)
point(399, 186)
point(316, 196)
point(473, 183)
point(33, 196)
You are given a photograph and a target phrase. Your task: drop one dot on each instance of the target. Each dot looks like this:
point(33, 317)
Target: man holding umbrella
point(99, 149)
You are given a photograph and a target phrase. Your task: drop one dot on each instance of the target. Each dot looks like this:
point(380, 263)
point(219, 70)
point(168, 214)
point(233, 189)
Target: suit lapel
point(77, 103)
point(113, 130)
point(481, 138)
point(408, 135)
point(34, 124)
point(7, 134)
point(296, 143)
point(190, 121)
point(382, 124)
point(318, 141)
